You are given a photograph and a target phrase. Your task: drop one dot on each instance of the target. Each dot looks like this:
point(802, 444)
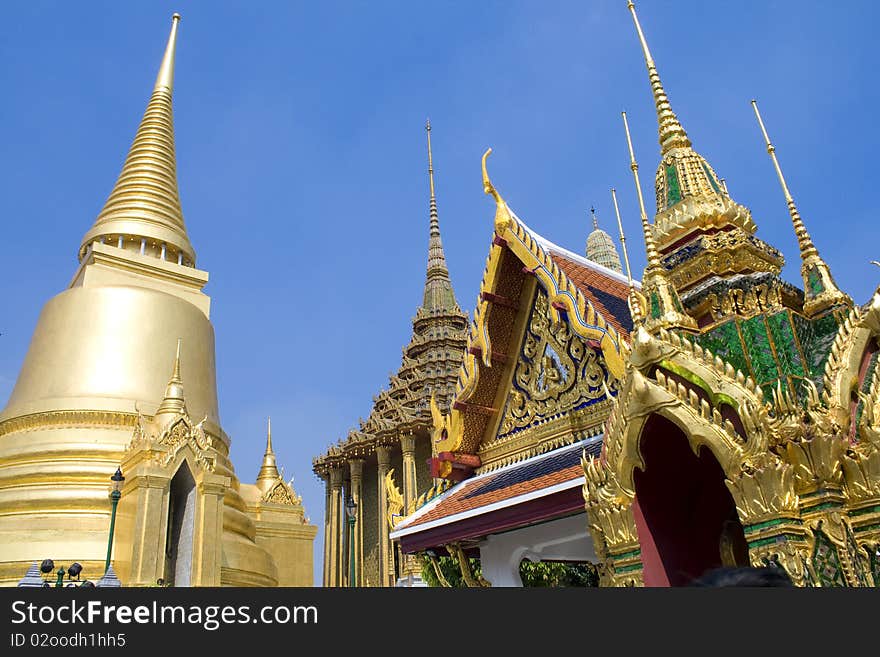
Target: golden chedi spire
point(705, 239)
point(143, 211)
point(600, 246)
point(664, 309)
point(439, 295)
point(672, 134)
point(173, 403)
point(268, 474)
point(96, 366)
point(820, 290)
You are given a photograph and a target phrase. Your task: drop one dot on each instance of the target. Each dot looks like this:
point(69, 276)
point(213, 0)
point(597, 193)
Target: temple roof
point(489, 501)
point(606, 288)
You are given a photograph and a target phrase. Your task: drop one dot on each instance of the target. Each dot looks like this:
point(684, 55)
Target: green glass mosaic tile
point(724, 341)
point(816, 337)
point(787, 352)
point(814, 281)
point(655, 306)
point(711, 178)
point(677, 303)
point(673, 190)
point(826, 562)
point(754, 332)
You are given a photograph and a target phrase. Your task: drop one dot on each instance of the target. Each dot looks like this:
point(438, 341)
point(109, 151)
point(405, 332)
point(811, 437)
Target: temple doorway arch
point(685, 516)
point(180, 528)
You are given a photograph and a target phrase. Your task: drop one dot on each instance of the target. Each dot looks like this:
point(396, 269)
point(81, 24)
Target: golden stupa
point(101, 387)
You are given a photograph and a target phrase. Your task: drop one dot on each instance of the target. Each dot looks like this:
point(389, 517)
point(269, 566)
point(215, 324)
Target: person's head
point(744, 576)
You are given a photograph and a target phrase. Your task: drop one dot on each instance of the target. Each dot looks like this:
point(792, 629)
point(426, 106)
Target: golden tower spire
point(820, 290)
point(268, 470)
point(438, 288)
point(595, 221)
point(636, 300)
point(672, 134)
point(143, 211)
point(173, 402)
point(664, 306)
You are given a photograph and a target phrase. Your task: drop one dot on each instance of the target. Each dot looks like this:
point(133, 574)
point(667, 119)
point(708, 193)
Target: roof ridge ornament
point(502, 212)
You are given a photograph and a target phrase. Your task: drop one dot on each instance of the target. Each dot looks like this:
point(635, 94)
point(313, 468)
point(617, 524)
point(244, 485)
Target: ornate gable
point(538, 334)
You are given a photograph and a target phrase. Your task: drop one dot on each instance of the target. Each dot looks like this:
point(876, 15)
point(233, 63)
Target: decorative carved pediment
point(557, 371)
point(162, 444)
point(282, 493)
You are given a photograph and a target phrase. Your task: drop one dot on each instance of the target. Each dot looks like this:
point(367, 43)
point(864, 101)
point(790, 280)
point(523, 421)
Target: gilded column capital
point(408, 444)
point(336, 474)
point(383, 455)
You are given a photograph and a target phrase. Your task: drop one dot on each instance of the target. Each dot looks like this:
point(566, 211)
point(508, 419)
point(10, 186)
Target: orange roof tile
point(607, 294)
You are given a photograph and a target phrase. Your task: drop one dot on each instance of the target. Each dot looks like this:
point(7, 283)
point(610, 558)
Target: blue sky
point(302, 166)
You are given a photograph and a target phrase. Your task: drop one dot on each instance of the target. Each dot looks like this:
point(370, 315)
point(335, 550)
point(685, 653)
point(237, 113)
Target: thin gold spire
point(430, 159)
point(268, 474)
point(672, 134)
point(650, 246)
point(165, 78)
point(438, 287)
point(635, 300)
point(820, 290)
point(805, 242)
point(664, 306)
point(173, 402)
point(622, 237)
point(145, 202)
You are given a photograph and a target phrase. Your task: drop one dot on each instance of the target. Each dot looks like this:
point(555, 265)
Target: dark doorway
point(179, 536)
point(685, 515)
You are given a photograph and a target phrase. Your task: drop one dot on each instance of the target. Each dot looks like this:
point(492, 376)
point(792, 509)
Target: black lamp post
point(351, 511)
point(115, 494)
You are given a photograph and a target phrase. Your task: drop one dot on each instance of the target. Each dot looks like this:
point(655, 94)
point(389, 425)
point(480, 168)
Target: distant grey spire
point(600, 247)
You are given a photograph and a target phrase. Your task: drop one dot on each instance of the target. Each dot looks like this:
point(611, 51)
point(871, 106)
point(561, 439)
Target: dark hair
point(744, 576)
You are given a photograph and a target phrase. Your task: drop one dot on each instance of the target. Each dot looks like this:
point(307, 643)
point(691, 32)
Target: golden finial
point(502, 214)
point(165, 78)
point(438, 288)
point(650, 246)
point(595, 221)
point(805, 242)
point(622, 237)
point(268, 474)
point(144, 205)
point(173, 402)
point(175, 375)
point(672, 134)
point(430, 160)
point(636, 300)
point(820, 290)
